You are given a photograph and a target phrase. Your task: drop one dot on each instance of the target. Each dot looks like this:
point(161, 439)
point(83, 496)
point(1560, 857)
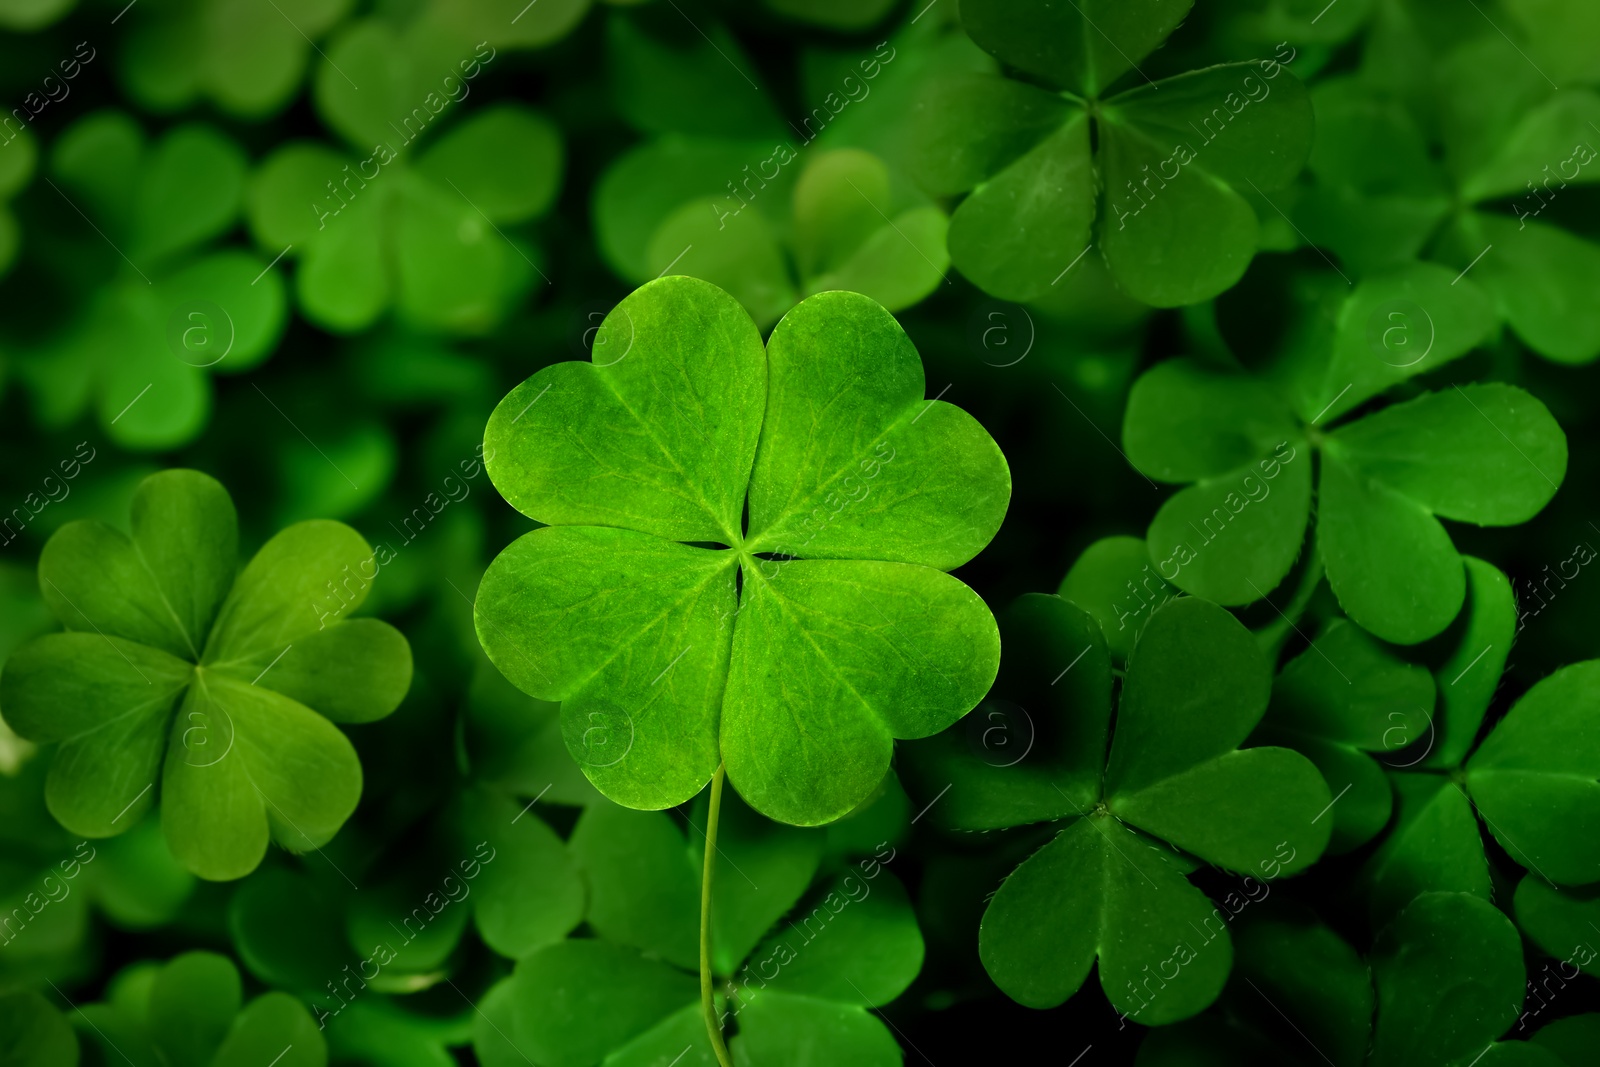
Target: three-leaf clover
point(178, 665)
point(1105, 887)
point(190, 1012)
point(1488, 454)
point(1166, 168)
point(249, 58)
point(387, 225)
point(745, 556)
point(142, 349)
point(796, 970)
point(1512, 148)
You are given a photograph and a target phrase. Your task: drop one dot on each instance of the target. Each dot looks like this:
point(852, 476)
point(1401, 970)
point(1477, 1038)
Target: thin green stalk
point(707, 1001)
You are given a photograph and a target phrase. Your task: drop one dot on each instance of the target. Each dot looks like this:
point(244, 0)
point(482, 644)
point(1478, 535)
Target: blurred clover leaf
point(751, 571)
point(796, 969)
point(1449, 977)
point(178, 665)
point(190, 1012)
point(1382, 196)
point(1446, 980)
point(1105, 886)
point(386, 225)
point(1488, 454)
point(141, 350)
point(1285, 961)
point(1168, 169)
point(18, 155)
point(248, 58)
point(849, 226)
point(34, 1034)
point(486, 862)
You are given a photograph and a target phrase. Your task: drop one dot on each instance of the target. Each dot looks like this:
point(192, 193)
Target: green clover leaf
point(18, 155)
point(1288, 965)
point(142, 350)
point(1164, 168)
point(190, 1012)
point(175, 664)
point(849, 944)
point(1106, 887)
point(1449, 978)
point(386, 225)
point(823, 630)
point(850, 225)
point(1487, 454)
point(1340, 701)
point(36, 1034)
point(247, 58)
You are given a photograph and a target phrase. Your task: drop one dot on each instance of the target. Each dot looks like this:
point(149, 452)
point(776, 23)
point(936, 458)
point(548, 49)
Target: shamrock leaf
point(1557, 920)
point(1342, 699)
point(797, 988)
point(143, 346)
point(175, 663)
point(190, 1012)
point(825, 629)
point(1114, 581)
point(1104, 887)
point(1486, 454)
point(248, 58)
point(1164, 168)
point(1449, 977)
point(388, 225)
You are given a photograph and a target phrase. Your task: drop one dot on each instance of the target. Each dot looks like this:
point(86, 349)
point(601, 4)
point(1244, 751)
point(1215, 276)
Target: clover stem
point(707, 1001)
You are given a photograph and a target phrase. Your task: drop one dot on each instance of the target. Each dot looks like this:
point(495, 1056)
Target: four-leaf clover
point(745, 556)
point(178, 665)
